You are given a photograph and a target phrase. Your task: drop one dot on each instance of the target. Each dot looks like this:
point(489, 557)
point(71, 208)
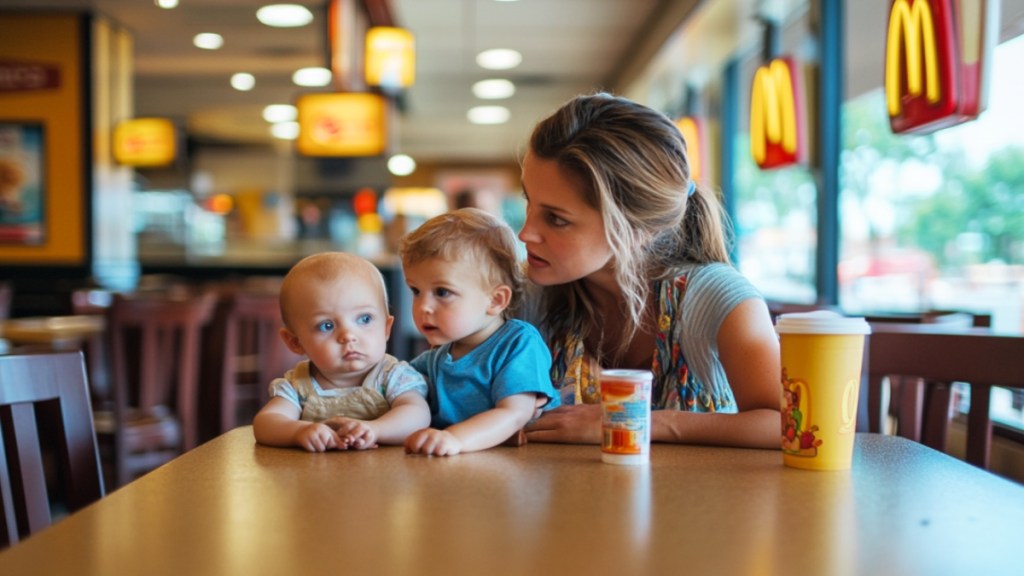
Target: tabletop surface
point(45, 329)
point(233, 507)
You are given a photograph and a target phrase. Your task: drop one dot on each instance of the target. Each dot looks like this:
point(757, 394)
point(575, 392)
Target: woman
point(633, 269)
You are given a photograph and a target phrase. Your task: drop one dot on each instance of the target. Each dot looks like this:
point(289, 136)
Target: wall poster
point(22, 185)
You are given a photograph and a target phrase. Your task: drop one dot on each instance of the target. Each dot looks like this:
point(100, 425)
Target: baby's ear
point(291, 341)
point(500, 299)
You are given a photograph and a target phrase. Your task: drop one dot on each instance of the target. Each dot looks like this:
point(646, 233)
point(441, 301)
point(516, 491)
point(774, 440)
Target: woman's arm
point(749, 352)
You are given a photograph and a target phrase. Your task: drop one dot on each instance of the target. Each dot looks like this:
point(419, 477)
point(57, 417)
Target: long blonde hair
point(634, 166)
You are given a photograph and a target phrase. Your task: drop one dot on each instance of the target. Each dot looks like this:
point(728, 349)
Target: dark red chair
point(926, 359)
point(45, 417)
point(253, 354)
point(155, 344)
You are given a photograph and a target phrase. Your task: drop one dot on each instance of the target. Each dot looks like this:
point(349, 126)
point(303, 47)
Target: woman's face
point(564, 236)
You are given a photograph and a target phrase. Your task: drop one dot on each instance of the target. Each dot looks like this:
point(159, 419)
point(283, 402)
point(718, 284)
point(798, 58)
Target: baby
point(488, 373)
point(349, 394)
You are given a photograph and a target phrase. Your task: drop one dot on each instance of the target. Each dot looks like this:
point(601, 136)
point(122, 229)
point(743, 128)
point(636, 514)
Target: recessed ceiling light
point(401, 165)
point(488, 115)
point(499, 59)
point(208, 41)
point(285, 130)
point(166, 4)
point(494, 89)
point(284, 15)
point(312, 77)
point(280, 113)
point(243, 81)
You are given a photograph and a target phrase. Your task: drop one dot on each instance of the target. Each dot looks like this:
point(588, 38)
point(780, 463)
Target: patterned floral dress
point(675, 387)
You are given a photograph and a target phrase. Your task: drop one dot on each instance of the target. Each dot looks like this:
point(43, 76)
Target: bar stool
point(155, 344)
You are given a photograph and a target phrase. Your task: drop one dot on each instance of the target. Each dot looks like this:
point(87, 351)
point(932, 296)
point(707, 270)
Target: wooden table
point(57, 332)
point(232, 507)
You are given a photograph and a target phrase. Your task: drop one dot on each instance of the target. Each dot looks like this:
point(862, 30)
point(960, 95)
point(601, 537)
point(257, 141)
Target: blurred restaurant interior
point(145, 143)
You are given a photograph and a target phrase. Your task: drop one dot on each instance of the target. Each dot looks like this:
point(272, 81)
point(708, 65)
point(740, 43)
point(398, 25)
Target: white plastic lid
point(820, 322)
point(626, 374)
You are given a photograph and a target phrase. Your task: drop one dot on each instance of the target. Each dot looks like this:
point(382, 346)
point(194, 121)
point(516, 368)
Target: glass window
point(936, 221)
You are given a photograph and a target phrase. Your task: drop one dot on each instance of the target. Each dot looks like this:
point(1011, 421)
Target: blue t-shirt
point(513, 360)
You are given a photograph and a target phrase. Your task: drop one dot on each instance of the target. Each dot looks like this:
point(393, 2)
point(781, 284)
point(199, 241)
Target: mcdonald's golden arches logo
point(777, 115)
point(936, 56)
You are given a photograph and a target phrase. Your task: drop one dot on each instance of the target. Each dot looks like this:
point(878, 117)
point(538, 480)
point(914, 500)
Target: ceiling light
point(208, 41)
point(285, 130)
point(284, 15)
point(280, 113)
point(401, 165)
point(243, 81)
point(494, 89)
point(312, 77)
point(167, 4)
point(499, 59)
point(488, 115)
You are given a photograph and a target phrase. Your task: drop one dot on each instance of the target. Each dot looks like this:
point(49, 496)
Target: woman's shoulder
point(717, 278)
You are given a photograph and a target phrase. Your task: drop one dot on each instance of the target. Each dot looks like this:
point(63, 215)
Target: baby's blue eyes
point(442, 292)
point(365, 319)
point(325, 326)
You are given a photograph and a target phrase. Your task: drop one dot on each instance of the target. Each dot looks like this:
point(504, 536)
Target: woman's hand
point(572, 424)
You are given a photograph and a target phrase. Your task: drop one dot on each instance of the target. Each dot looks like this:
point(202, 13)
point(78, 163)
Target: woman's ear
point(292, 341)
point(501, 297)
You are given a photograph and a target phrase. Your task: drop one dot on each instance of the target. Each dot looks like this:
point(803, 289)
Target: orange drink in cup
point(822, 357)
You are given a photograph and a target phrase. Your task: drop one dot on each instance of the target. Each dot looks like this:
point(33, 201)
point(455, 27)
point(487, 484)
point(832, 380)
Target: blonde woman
point(630, 258)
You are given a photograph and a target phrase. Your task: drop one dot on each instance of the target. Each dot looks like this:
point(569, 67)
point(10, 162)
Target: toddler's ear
point(500, 299)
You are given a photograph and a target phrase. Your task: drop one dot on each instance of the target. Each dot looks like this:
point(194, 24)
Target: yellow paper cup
point(822, 354)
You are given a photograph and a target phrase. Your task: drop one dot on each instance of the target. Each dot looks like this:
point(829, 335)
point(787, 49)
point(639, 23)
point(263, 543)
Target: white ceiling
point(568, 47)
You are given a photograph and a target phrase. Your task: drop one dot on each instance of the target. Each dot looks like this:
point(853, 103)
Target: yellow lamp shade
point(342, 124)
point(390, 57)
point(146, 142)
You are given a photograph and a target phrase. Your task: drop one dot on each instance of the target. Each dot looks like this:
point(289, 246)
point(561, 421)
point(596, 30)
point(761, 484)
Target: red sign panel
point(21, 76)
point(777, 115)
point(936, 62)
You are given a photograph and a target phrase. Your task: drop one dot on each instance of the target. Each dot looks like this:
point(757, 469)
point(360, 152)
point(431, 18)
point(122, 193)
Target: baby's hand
point(355, 434)
point(317, 437)
point(433, 442)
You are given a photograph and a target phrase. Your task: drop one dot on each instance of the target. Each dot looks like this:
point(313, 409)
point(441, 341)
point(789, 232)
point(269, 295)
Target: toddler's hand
point(317, 437)
point(433, 442)
point(355, 434)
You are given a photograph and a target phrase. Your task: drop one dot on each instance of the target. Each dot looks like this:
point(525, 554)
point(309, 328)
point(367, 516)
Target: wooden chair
point(6, 295)
point(93, 301)
point(927, 359)
point(252, 355)
point(155, 344)
point(52, 388)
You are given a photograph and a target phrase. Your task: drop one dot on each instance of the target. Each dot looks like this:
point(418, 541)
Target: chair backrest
point(253, 352)
point(44, 405)
point(6, 295)
point(925, 360)
point(154, 350)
